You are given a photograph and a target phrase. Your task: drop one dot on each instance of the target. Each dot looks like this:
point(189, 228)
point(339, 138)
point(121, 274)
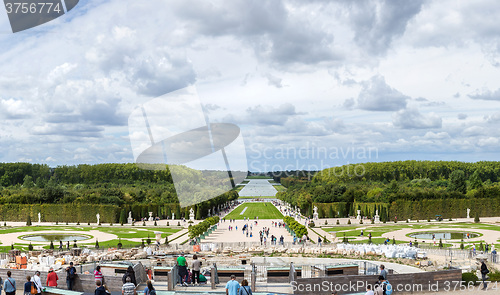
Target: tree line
point(389, 182)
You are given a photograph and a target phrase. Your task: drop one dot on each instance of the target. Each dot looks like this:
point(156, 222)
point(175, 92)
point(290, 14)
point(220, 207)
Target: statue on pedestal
point(191, 214)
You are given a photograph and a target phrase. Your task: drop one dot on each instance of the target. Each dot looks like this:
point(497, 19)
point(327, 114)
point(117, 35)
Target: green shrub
point(28, 221)
point(349, 221)
point(119, 246)
point(30, 247)
point(462, 244)
point(200, 228)
point(338, 221)
point(51, 247)
point(494, 276)
point(440, 243)
point(469, 278)
point(96, 244)
point(476, 218)
point(299, 229)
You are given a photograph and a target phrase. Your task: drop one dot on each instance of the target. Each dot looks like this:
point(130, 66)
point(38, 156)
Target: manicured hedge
point(448, 208)
point(200, 228)
point(82, 213)
point(299, 229)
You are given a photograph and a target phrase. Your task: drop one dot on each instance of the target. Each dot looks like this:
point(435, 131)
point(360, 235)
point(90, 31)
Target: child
point(27, 286)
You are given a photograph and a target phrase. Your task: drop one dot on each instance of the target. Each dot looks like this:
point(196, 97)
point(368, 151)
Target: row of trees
point(196, 230)
point(408, 181)
point(299, 229)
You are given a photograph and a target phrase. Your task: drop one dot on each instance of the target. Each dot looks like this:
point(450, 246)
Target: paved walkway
point(224, 235)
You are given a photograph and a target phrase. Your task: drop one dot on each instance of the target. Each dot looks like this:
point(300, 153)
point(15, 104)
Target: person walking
point(98, 275)
point(244, 289)
point(149, 290)
point(494, 255)
point(52, 278)
point(38, 282)
point(319, 241)
point(484, 272)
point(232, 286)
point(70, 276)
point(129, 288)
point(129, 273)
point(9, 286)
point(383, 272)
point(196, 267)
point(28, 285)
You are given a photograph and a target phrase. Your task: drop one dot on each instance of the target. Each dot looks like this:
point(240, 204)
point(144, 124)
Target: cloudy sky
point(312, 84)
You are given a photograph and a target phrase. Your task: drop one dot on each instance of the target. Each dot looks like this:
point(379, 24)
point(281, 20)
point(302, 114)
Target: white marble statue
point(191, 214)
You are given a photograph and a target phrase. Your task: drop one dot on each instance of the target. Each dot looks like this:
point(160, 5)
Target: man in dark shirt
point(70, 276)
point(100, 290)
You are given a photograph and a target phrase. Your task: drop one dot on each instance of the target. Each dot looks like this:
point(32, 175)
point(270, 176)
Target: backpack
point(388, 288)
point(33, 288)
point(152, 292)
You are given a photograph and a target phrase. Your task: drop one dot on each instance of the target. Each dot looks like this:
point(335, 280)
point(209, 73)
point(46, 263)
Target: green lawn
point(253, 197)
point(141, 232)
point(262, 210)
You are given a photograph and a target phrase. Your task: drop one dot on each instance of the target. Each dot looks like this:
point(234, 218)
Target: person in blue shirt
point(232, 286)
point(27, 286)
point(9, 285)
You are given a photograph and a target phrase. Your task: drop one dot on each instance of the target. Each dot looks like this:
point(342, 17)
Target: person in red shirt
point(52, 278)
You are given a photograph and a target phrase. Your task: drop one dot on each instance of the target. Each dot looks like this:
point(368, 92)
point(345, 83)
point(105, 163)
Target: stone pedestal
point(376, 219)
